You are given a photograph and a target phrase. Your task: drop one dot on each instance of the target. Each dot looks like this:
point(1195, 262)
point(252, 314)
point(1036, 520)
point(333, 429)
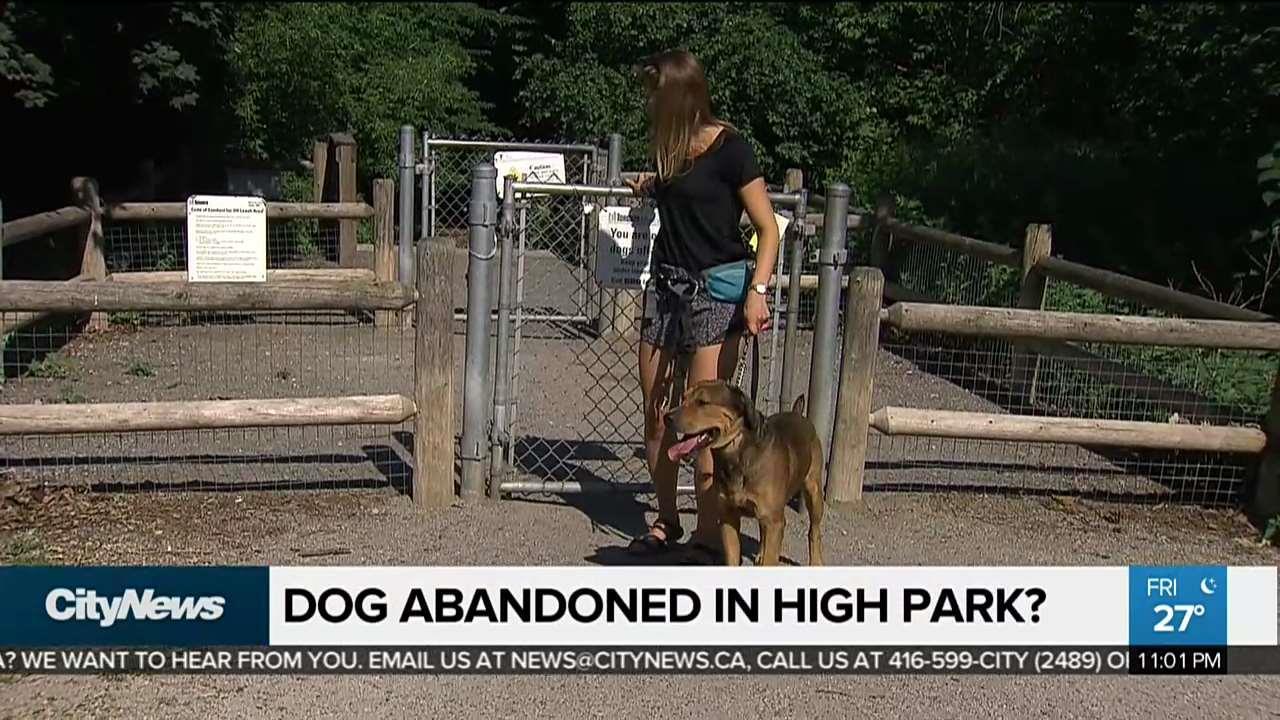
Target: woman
point(706, 176)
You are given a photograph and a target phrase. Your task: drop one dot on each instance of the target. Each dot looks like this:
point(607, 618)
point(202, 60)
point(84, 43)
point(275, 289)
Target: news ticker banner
point(639, 619)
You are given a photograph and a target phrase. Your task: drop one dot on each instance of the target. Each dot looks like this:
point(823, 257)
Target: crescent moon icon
point(1206, 586)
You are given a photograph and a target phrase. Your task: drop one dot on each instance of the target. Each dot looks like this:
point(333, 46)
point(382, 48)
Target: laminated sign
point(226, 238)
point(623, 246)
point(527, 166)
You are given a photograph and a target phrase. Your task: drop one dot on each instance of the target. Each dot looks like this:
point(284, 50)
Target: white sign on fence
point(783, 222)
point(623, 246)
point(527, 166)
point(226, 238)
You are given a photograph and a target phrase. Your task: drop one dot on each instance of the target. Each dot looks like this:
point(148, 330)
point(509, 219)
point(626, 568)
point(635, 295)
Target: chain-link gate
point(553, 283)
point(576, 416)
point(568, 414)
point(574, 420)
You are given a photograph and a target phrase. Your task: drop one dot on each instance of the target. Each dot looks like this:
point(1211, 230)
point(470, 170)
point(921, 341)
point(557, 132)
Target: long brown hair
point(679, 105)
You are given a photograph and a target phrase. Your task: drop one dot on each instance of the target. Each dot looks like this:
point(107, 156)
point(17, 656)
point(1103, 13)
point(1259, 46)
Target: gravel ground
point(578, 418)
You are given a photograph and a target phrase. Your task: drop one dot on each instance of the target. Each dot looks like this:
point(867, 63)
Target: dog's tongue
point(684, 447)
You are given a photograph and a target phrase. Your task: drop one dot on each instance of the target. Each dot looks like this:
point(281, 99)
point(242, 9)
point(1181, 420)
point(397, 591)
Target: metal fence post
point(617, 308)
point(477, 392)
point(502, 385)
point(406, 205)
point(427, 214)
point(822, 369)
point(614, 162)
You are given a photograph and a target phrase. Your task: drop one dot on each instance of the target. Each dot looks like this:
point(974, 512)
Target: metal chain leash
point(740, 370)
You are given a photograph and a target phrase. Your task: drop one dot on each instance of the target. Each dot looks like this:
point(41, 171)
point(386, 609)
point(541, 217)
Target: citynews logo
point(64, 604)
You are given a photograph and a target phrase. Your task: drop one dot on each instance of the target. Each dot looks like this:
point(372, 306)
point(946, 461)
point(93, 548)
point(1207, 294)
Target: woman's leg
point(656, 370)
point(710, 363)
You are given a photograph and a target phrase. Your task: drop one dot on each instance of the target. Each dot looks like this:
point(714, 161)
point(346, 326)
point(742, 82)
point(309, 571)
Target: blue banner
point(1185, 605)
point(133, 606)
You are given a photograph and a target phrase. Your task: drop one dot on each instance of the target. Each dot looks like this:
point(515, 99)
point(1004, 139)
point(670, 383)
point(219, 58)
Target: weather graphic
point(1184, 606)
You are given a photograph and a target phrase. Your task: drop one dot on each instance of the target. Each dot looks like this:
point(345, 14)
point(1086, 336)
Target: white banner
point(527, 166)
point(624, 245)
point(679, 606)
point(226, 238)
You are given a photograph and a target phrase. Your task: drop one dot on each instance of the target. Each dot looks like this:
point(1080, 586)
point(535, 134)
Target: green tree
point(763, 77)
point(142, 53)
point(302, 70)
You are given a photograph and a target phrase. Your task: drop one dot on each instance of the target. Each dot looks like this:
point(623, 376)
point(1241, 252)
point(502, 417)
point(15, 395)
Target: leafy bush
point(304, 70)
point(51, 367)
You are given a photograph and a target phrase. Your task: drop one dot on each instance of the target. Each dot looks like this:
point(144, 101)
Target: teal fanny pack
point(728, 282)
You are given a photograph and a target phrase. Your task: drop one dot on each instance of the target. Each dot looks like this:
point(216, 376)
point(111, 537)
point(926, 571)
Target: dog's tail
point(797, 407)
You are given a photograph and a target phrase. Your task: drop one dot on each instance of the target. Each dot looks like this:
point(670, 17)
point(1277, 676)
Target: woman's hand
point(756, 312)
point(642, 186)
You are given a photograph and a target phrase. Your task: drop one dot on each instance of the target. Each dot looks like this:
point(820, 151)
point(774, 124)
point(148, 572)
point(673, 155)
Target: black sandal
point(698, 553)
point(651, 543)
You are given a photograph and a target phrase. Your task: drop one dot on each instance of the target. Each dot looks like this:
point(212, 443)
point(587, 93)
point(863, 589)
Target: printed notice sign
point(527, 166)
point(226, 238)
point(623, 246)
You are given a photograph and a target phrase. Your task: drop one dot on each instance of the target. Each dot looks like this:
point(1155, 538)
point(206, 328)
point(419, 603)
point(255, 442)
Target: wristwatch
point(761, 289)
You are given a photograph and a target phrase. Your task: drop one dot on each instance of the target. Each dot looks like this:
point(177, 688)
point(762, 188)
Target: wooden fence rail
point(994, 252)
point(110, 296)
point(1107, 282)
point(55, 419)
point(139, 212)
point(288, 275)
point(1077, 431)
point(1146, 293)
point(34, 226)
point(1082, 327)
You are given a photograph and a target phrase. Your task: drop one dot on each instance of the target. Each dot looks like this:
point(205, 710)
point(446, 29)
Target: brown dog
point(760, 464)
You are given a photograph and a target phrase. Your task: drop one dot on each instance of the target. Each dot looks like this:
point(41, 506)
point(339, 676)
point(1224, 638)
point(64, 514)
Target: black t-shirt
point(700, 209)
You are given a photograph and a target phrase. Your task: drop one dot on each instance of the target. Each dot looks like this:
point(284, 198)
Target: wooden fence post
point(319, 164)
point(93, 258)
point(1037, 244)
point(384, 249)
point(1263, 502)
point(853, 399)
point(880, 234)
point(345, 156)
point(433, 428)
point(794, 183)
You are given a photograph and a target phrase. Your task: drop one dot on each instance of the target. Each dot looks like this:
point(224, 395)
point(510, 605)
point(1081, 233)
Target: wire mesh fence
point(160, 245)
point(928, 370)
point(1088, 380)
point(146, 357)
